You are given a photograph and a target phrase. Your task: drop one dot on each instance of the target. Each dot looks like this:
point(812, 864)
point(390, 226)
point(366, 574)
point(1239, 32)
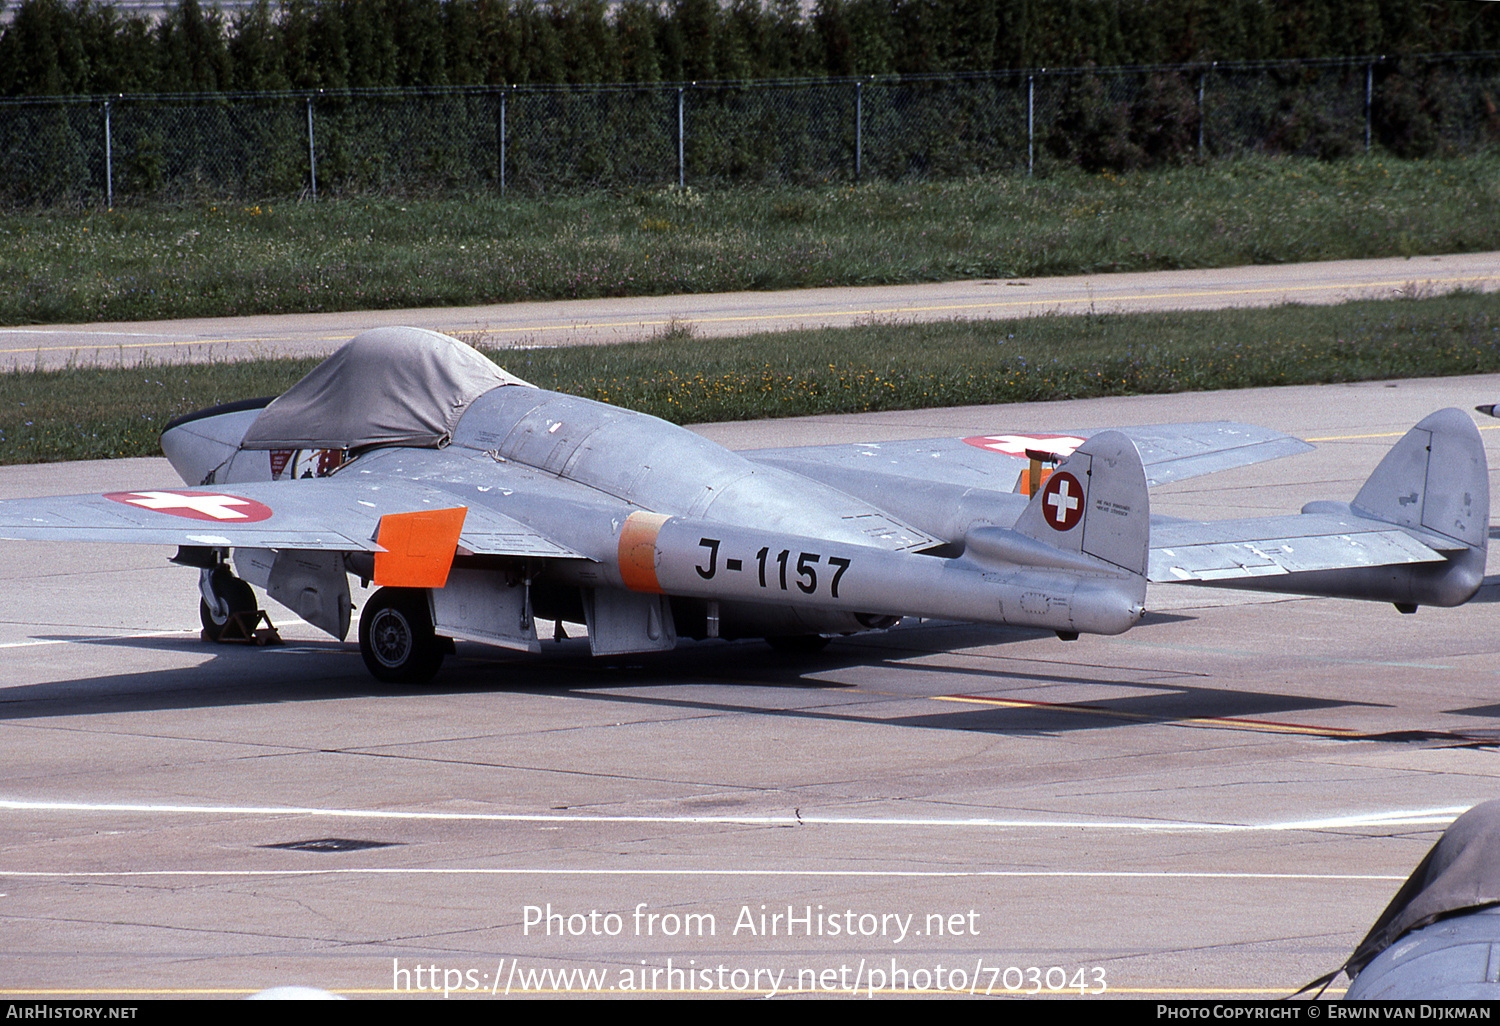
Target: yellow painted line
point(1386, 434)
point(1051, 303)
point(1355, 438)
point(1214, 722)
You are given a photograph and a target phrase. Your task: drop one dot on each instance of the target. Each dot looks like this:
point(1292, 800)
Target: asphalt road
point(1216, 804)
point(626, 320)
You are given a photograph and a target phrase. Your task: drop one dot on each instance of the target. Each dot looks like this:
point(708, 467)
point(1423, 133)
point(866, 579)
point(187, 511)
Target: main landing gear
point(396, 637)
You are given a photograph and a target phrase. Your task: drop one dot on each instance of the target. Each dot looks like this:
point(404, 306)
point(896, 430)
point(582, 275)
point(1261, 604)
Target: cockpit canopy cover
point(389, 386)
point(1461, 873)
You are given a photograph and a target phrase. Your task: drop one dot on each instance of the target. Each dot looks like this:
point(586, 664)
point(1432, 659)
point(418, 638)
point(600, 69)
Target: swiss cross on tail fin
point(1062, 501)
point(1095, 503)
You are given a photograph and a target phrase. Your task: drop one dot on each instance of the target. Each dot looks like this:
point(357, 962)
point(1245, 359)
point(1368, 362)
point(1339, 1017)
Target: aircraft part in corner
point(418, 547)
point(637, 551)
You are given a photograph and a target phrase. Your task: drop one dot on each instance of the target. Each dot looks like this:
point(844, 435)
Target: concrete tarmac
point(601, 321)
point(1217, 804)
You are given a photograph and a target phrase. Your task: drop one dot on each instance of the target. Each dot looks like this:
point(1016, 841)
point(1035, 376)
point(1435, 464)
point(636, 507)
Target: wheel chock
point(244, 628)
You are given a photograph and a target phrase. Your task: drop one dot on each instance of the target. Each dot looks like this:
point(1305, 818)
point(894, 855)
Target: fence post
point(1030, 111)
point(502, 140)
point(109, 167)
point(681, 163)
point(1202, 76)
point(1369, 99)
point(312, 150)
point(859, 127)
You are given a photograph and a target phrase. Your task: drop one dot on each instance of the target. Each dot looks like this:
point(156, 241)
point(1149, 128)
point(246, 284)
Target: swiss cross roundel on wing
point(1062, 501)
point(214, 507)
point(1018, 445)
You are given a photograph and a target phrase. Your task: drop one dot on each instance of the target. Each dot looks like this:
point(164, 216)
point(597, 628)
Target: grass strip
point(83, 413)
point(211, 258)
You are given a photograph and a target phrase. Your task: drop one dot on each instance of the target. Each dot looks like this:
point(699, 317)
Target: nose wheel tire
point(396, 637)
point(234, 597)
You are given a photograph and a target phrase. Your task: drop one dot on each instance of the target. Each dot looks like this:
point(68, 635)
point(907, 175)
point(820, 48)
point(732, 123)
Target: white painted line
point(40, 642)
point(1418, 817)
point(553, 871)
point(1373, 819)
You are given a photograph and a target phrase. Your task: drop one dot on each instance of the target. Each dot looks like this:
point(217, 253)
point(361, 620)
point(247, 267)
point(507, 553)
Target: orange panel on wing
point(419, 547)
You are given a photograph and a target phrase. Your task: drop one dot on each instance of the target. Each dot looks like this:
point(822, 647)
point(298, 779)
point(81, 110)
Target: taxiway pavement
point(1216, 804)
point(601, 321)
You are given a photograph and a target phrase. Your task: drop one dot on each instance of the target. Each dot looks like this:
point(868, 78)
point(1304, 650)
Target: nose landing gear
point(228, 610)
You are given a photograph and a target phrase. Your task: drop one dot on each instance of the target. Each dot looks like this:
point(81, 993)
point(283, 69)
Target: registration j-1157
point(780, 570)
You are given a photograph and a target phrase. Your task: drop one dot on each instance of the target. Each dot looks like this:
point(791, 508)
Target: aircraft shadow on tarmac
point(320, 671)
point(1491, 711)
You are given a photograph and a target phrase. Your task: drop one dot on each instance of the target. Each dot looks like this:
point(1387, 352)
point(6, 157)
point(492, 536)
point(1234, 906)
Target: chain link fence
point(546, 139)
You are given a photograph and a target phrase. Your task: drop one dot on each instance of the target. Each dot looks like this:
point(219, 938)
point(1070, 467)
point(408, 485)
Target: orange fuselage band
point(638, 550)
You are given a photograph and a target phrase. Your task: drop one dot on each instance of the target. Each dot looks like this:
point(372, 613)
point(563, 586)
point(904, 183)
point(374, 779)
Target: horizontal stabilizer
point(1232, 549)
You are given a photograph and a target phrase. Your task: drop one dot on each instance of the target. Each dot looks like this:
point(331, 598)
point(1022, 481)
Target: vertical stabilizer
point(1434, 479)
point(1095, 503)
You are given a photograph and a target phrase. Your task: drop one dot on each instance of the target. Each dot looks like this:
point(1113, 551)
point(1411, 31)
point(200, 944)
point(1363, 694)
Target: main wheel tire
point(237, 596)
point(396, 637)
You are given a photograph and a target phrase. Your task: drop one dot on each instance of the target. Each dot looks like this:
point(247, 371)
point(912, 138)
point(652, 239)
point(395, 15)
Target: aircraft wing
point(1170, 452)
point(337, 514)
point(1184, 551)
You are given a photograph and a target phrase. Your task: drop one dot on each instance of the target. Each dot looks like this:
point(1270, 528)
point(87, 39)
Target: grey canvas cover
point(389, 386)
point(1460, 874)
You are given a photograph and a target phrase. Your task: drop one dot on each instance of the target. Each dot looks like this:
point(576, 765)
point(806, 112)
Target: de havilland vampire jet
point(475, 502)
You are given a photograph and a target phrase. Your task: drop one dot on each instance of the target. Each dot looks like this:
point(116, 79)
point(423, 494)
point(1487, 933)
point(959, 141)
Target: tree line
point(84, 47)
